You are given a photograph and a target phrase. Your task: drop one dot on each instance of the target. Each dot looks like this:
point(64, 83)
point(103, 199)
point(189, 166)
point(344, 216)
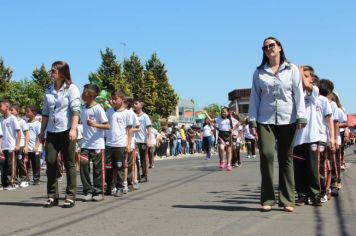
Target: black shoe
point(51, 203)
point(144, 179)
point(107, 192)
point(301, 201)
point(36, 183)
point(334, 192)
point(68, 203)
point(317, 201)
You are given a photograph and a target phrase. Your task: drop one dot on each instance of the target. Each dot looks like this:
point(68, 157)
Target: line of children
point(317, 164)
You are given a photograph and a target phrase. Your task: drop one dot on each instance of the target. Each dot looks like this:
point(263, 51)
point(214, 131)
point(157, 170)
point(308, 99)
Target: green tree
point(168, 99)
point(109, 75)
point(24, 93)
point(5, 76)
point(133, 72)
point(41, 77)
point(147, 90)
point(213, 110)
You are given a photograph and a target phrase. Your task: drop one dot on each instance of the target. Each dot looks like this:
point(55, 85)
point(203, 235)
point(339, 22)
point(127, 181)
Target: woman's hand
point(72, 134)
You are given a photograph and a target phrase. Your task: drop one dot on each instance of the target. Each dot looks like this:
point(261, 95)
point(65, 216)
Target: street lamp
point(124, 45)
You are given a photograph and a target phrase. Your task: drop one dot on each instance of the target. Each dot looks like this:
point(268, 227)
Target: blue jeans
point(207, 142)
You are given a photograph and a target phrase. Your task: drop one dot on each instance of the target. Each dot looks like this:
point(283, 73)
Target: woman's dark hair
point(63, 71)
point(281, 53)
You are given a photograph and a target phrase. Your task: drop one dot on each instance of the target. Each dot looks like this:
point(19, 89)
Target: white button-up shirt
point(277, 98)
point(59, 106)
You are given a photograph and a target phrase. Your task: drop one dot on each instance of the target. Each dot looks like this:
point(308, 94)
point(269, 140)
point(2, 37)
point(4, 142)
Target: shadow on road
point(22, 204)
point(218, 208)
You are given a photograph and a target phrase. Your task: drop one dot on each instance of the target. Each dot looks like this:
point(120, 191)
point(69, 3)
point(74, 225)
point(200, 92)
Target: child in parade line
point(276, 111)
point(310, 142)
point(22, 155)
point(250, 140)
point(143, 138)
point(94, 122)
point(208, 130)
point(225, 124)
point(131, 174)
point(10, 144)
point(342, 119)
point(2, 159)
point(118, 143)
point(34, 143)
point(237, 137)
point(152, 149)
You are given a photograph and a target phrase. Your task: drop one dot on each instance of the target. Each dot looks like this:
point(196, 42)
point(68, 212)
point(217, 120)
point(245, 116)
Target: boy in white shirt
point(143, 138)
point(94, 122)
point(34, 143)
point(10, 145)
point(118, 142)
point(21, 156)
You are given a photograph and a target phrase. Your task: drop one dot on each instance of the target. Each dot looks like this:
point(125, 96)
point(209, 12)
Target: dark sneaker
point(334, 192)
point(317, 201)
point(301, 201)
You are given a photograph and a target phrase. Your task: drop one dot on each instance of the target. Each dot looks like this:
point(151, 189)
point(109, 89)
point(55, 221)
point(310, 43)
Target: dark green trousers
point(8, 169)
point(35, 161)
point(117, 158)
point(306, 169)
point(59, 143)
point(280, 137)
point(97, 157)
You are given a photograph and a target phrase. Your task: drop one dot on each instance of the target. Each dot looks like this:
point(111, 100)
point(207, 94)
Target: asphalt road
point(186, 196)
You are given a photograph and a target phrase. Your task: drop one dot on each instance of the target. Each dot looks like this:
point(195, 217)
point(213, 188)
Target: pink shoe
point(229, 167)
point(222, 165)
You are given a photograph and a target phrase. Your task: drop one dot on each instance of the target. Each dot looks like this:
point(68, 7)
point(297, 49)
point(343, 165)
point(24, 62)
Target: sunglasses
point(269, 46)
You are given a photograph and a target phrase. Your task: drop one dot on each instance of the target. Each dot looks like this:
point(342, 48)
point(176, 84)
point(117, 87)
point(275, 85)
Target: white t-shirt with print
point(119, 122)
point(207, 130)
point(93, 138)
point(34, 129)
point(141, 136)
point(225, 124)
point(23, 129)
point(9, 126)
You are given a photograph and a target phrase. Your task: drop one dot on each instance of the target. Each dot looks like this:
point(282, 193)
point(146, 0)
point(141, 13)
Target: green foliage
point(147, 90)
point(24, 93)
point(5, 76)
point(133, 72)
point(168, 99)
point(213, 110)
point(41, 77)
point(109, 75)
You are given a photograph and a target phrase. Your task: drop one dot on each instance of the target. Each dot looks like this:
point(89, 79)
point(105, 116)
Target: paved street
point(189, 196)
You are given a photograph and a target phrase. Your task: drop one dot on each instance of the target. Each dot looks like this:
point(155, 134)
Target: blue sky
point(209, 47)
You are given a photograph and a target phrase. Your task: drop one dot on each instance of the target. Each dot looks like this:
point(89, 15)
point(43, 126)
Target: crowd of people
point(292, 112)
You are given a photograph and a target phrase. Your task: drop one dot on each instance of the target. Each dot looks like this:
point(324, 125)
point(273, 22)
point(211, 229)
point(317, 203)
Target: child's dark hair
point(94, 89)
point(141, 100)
point(310, 69)
point(7, 102)
point(119, 93)
point(227, 109)
point(17, 108)
point(33, 109)
point(325, 87)
point(128, 101)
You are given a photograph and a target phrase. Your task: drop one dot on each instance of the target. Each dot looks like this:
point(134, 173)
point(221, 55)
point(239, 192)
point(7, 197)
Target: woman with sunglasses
point(276, 110)
point(60, 116)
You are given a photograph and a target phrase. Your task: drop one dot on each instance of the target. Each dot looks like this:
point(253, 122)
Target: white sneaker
point(324, 198)
point(253, 156)
point(136, 186)
point(125, 190)
point(113, 191)
point(10, 188)
point(24, 184)
point(248, 156)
